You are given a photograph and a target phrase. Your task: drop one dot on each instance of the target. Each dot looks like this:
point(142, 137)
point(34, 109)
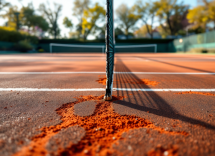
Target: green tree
point(170, 13)
point(163, 32)
point(126, 18)
point(90, 18)
point(31, 20)
point(211, 10)
point(144, 31)
point(12, 20)
point(198, 16)
point(67, 23)
point(78, 12)
point(203, 14)
point(118, 32)
point(52, 16)
point(147, 13)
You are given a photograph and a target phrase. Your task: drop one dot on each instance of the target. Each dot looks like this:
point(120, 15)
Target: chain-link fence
point(201, 42)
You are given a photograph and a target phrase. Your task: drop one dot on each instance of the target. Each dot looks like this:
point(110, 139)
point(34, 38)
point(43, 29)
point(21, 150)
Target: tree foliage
point(79, 7)
point(144, 31)
point(27, 17)
point(203, 14)
point(171, 14)
point(90, 18)
point(126, 18)
point(118, 31)
point(147, 14)
point(67, 23)
point(12, 20)
point(78, 12)
point(9, 34)
point(52, 16)
point(31, 20)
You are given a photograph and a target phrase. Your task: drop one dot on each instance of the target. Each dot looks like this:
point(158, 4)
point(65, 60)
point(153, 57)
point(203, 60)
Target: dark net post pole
point(110, 48)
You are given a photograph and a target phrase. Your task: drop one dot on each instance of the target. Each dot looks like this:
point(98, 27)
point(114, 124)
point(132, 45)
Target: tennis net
point(72, 48)
point(69, 48)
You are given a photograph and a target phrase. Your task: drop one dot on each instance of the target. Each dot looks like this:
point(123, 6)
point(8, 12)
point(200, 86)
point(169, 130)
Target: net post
point(110, 48)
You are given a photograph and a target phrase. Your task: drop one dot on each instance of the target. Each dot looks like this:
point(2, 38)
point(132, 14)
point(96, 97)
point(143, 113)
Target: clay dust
point(160, 151)
point(141, 81)
point(130, 81)
point(208, 94)
point(102, 81)
point(103, 129)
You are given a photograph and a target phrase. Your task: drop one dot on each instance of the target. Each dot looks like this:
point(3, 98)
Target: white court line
point(165, 73)
point(51, 73)
point(51, 89)
point(102, 89)
point(146, 73)
point(163, 90)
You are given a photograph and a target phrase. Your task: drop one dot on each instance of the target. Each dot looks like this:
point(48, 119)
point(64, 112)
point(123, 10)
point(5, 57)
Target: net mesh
point(71, 48)
point(110, 49)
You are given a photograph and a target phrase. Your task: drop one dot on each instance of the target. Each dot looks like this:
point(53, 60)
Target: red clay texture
point(208, 94)
point(141, 81)
point(160, 151)
point(102, 81)
point(103, 129)
point(130, 81)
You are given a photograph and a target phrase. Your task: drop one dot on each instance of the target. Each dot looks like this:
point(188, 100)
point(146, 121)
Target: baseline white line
point(47, 73)
point(50, 89)
point(163, 90)
point(144, 73)
point(165, 73)
point(102, 89)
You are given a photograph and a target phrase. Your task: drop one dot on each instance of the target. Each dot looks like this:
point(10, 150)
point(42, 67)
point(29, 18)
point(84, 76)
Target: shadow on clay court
point(175, 65)
point(147, 101)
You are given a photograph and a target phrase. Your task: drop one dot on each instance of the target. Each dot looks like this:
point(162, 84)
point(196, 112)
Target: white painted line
point(48, 73)
point(102, 89)
point(163, 90)
point(144, 73)
point(50, 89)
point(164, 73)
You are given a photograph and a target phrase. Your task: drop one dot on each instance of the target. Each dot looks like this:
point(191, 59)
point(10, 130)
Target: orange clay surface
point(102, 81)
point(159, 151)
point(52, 63)
point(208, 94)
point(142, 81)
point(130, 81)
point(96, 62)
point(103, 129)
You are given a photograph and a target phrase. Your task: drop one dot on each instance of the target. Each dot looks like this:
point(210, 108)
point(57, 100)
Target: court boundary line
point(103, 89)
point(138, 73)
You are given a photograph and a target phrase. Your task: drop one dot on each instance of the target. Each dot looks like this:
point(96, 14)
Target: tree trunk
point(55, 30)
point(126, 33)
point(170, 26)
point(148, 30)
point(55, 34)
point(85, 37)
point(151, 35)
point(152, 26)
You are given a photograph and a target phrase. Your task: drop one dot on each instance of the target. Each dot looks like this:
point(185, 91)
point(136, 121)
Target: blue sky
point(68, 5)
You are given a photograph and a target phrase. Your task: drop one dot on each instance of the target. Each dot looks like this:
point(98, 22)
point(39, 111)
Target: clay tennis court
point(52, 104)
